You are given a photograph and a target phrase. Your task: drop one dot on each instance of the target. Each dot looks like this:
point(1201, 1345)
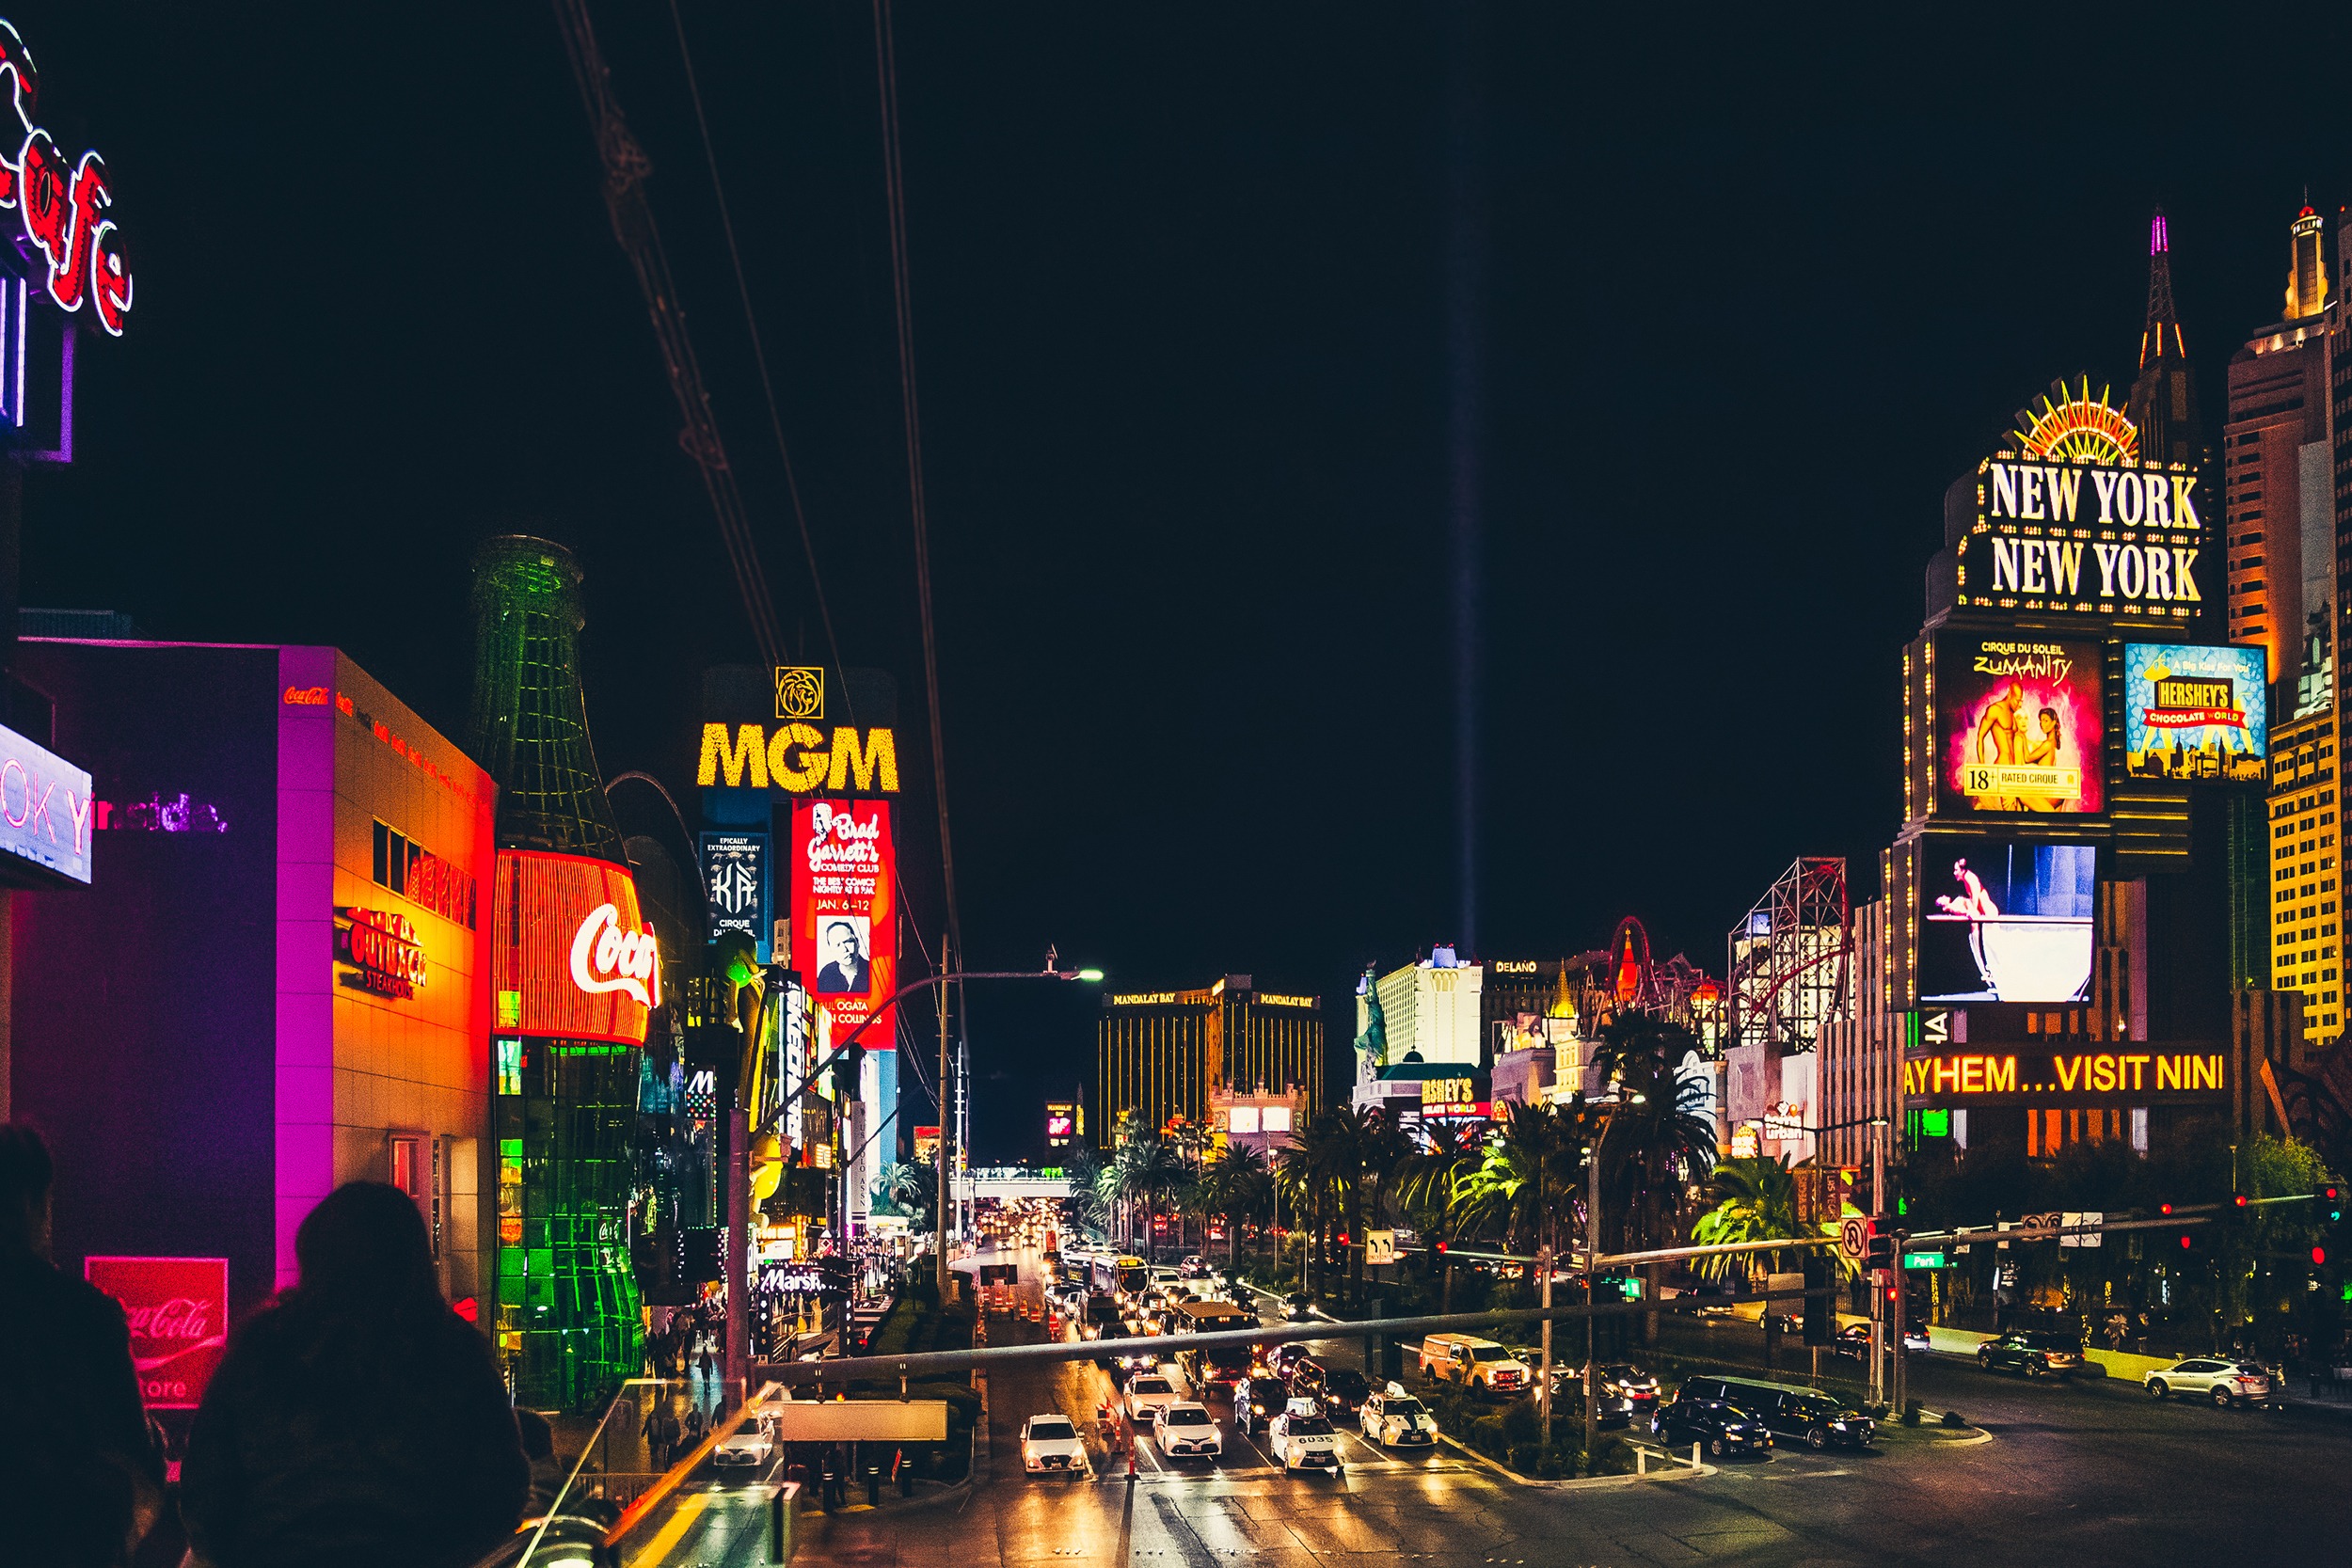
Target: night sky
point(1742, 301)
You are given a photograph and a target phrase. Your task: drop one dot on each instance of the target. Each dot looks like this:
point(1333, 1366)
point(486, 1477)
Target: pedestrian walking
point(707, 1366)
point(359, 1420)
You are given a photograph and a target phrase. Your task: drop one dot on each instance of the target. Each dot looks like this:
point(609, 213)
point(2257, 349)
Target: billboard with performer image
point(2195, 713)
point(845, 925)
point(2005, 920)
point(2019, 723)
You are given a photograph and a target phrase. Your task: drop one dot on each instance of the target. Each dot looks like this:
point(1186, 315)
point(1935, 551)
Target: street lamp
point(739, 1200)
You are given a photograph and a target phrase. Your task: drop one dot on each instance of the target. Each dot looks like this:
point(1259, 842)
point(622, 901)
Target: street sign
point(1925, 1260)
point(2048, 1221)
point(1853, 1238)
point(1380, 1246)
point(2068, 1220)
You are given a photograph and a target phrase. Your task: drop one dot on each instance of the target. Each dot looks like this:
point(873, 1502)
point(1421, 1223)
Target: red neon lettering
point(46, 196)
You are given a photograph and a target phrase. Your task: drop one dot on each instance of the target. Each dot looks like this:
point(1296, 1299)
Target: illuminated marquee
point(799, 759)
point(2080, 428)
point(2095, 538)
point(2136, 1072)
point(62, 204)
point(571, 956)
point(2195, 712)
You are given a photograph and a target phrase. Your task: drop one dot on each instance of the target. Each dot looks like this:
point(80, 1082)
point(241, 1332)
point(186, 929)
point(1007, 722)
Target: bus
point(1116, 1275)
point(1214, 1317)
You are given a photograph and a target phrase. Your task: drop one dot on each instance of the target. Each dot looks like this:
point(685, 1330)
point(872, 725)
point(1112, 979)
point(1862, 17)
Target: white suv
point(2225, 1383)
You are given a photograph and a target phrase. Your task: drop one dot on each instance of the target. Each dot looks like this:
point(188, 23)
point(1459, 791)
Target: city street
point(2080, 1473)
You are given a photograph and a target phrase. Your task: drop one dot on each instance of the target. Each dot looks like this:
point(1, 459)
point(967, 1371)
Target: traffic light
point(2240, 1200)
point(2319, 1257)
point(2189, 1243)
point(1440, 1244)
point(2332, 1204)
point(1820, 1315)
point(1881, 1251)
point(2165, 1209)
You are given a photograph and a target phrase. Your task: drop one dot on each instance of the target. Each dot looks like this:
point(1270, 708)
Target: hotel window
point(423, 877)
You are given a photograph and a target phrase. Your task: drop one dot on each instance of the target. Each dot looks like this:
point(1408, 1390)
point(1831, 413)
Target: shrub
point(1523, 1423)
point(1484, 1433)
point(1910, 1413)
point(1951, 1418)
point(1611, 1455)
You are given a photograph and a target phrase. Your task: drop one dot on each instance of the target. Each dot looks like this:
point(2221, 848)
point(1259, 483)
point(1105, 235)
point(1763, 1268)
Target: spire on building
point(2162, 402)
point(2307, 270)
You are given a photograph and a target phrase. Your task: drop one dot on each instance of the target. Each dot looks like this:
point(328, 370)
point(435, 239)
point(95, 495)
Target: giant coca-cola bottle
point(564, 1074)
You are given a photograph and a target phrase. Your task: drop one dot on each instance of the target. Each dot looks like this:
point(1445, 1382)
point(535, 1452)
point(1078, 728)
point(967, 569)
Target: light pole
point(738, 1215)
point(1592, 1282)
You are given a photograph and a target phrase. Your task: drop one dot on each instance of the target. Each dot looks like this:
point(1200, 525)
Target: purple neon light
point(306, 949)
point(2158, 244)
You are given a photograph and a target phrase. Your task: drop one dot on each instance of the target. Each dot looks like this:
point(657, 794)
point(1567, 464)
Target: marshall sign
point(2116, 540)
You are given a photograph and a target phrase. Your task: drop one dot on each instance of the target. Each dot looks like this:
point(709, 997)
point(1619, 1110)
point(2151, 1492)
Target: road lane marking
point(691, 1505)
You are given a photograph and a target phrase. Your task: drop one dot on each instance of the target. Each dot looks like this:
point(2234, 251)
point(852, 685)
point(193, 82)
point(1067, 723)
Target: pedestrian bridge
point(1011, 1184)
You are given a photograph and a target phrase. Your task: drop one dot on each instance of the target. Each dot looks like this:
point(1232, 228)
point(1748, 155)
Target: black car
point(1819, 1419)
point(1341, 1390)
point(1299, 1307)
point(1722, 1429)
point(2036, 1354)
point(1625, 1395)
point(1256, 1402)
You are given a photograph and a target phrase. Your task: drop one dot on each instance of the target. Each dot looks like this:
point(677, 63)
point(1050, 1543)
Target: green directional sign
point(1926, 1260)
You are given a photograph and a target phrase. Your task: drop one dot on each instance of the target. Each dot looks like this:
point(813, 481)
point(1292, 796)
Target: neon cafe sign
point(62, 206)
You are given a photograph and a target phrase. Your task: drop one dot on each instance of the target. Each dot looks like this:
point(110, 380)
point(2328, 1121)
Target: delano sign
point(2084, 538)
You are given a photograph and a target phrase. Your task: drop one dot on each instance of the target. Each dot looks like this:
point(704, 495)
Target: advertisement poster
point(2020, 722)
point(570, 956)
point(2005, 920)
point(735, 877)
point(845, 924)
point(177, 1309)
point(2195, 713)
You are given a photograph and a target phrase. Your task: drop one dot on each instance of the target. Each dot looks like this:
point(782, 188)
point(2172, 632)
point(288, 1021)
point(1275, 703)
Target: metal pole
point(1592, 1253)
point(1543, 1261)
point(1878, 1211)
point(739, 1246)
point(1902, 1304)
point(946, 1126)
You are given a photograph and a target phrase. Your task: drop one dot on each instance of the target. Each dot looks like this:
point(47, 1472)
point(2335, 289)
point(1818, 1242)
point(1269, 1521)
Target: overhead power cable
point(759, 357)
point(893, 180)
point(626, 169)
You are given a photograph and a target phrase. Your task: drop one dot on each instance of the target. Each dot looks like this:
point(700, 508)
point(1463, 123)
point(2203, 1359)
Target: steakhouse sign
point(62, 204)
point(2117, 540)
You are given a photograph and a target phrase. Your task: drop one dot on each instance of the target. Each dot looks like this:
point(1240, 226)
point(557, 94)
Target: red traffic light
point(2319, 1257)
point(1343, 1238)
point(2187, 1241)
point(1440, 1246)
point(2241, 1201)
point(2165, 1209)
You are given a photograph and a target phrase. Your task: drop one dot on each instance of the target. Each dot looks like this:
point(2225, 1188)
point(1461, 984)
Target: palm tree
point(1756, 1201)
point(1658, 1136)
point(1234, 1184)
point(1527, 1169)
point(1423, 1180)
point(912, 1188)
point(1143, 1169)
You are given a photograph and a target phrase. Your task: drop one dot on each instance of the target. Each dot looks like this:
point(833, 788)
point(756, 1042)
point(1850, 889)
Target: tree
point(1527, 1170)
point(909, 1188)
point(1756, 1201)
point(1234, 1185)
point(1423, 1180)
point(1142, 1171)
point(1658, 1137)
point(1084, 1210)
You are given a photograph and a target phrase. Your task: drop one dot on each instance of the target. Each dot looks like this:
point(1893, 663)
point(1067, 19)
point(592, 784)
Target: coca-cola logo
point(63, 204)
point(177, 1310)
point(605, 958)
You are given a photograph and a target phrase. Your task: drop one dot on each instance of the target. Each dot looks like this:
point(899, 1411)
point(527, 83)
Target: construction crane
point(625, 169)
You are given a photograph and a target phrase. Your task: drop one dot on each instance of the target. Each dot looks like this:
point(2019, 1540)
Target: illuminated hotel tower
point(2281, 507)
point(2164, 398)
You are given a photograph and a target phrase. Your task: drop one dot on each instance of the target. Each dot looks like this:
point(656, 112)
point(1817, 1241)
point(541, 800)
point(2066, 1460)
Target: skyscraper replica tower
point(576, 976)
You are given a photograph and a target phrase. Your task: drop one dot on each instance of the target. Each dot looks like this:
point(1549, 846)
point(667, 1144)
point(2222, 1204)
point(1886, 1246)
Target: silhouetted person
point(359, 1421)
point(80, 1479)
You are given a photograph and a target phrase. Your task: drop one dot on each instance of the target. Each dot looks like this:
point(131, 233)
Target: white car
point(1393, 1419)
point(1184, 1428)
point(1916, 1339)
point(1302, 1438)
point(2225, 1383)
point(1147, 1391)
point(753, 1443)
point(1050, 1444)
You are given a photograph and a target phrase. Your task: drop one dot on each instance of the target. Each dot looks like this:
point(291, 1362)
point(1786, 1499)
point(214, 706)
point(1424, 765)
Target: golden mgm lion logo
point(800, 692)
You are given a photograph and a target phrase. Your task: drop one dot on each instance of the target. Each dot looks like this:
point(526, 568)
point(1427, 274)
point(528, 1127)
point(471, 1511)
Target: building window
point(407, 868)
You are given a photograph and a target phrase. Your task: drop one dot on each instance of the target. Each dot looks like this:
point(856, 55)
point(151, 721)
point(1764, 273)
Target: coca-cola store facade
point(278, 979)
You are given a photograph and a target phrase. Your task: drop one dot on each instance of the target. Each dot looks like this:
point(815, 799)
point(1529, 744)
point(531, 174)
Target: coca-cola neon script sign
point(63, 205)
point(177, 1309)
point(607, 957)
